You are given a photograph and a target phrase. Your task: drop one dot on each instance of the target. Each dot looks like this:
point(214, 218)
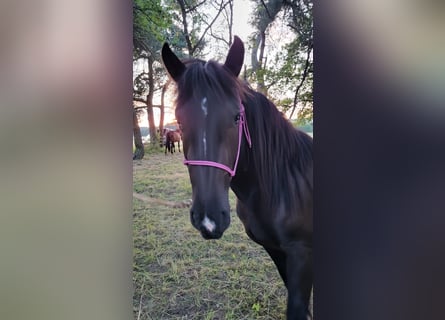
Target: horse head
point(208, 110)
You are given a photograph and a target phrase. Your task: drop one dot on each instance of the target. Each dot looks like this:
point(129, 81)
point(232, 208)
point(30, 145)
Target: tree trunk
point(185, 27)
point(303, 78)
point(161, 119)
point(150, 115)
point(257, 62)
point(262, 65)
point(254, 54)
point(230, 22)
point(139, 152)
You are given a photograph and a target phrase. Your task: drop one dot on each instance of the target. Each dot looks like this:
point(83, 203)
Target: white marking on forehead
point(204, 142)
point(204, 138)
point(208, 224)
point(204, 106)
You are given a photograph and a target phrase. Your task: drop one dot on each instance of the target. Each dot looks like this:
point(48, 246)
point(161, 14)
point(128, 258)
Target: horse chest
point(259, 227)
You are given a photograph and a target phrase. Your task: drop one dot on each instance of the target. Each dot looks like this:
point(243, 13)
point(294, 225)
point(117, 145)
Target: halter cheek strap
point(242, 127)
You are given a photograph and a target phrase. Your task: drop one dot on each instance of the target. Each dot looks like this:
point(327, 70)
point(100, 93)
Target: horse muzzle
point(208, 226)
point(210, 235)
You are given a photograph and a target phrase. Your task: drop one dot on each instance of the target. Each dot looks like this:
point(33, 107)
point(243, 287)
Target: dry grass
point(179, 275)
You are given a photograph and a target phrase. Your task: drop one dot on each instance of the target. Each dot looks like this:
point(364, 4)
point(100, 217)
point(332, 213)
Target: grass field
point(179, 275)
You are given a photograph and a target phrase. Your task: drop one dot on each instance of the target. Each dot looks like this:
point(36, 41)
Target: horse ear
point(173, 65)
point(235, 57)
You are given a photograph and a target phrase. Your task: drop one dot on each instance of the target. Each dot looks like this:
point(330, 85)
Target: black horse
point(235, 137)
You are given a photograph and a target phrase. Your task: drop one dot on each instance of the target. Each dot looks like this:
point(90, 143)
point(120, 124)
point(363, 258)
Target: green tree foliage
point(151, 22)
point(285, 75)
point(187, 26)
point(200, 23)
point(151, 19)
point(195, 28)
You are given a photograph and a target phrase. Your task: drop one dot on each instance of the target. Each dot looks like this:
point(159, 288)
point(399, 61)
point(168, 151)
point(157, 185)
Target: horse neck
point(245, 181)
point(259, 166)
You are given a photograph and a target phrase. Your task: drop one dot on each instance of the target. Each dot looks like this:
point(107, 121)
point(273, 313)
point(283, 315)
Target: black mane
point(282, 155)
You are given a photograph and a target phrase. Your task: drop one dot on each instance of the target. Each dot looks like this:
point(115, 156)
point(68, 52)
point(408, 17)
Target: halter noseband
point(242, 126)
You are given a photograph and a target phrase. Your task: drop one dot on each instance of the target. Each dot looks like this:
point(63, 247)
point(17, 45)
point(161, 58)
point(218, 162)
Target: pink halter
point(241, 127)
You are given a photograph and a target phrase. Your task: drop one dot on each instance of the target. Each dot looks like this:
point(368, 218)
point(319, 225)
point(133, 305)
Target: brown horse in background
point(170, 138)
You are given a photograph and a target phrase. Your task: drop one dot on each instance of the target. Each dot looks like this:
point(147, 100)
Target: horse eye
point(237, 118)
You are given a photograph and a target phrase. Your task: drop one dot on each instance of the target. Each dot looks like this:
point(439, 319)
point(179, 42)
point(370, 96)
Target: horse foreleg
point(279, 258)
point(179, 146)
point(299, 280)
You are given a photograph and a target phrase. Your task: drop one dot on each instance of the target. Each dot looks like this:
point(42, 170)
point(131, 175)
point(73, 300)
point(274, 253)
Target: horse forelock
point(208, 80)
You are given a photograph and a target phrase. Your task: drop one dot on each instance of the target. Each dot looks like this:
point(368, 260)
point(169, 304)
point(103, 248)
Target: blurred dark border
point(66, 160)
point(379, 186)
